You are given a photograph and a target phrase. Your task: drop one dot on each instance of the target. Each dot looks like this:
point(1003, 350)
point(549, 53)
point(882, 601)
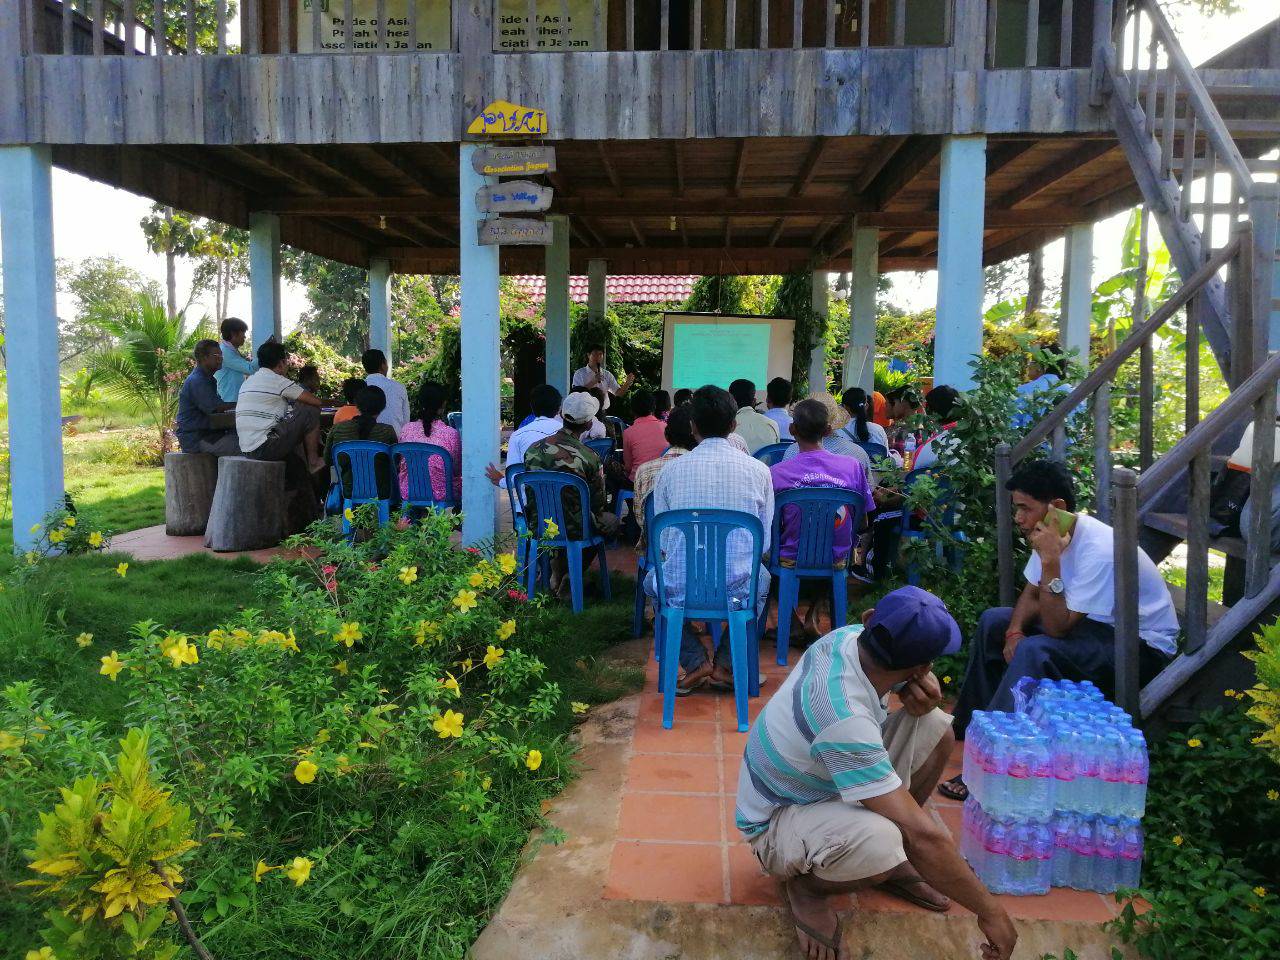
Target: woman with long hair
point(862, 427)
point(429, 426)
point(370, 402)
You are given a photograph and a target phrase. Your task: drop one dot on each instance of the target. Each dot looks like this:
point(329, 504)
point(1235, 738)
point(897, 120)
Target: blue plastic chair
point(615, 424)
point(818, 509)
point(898, 365)
point(705, 535)
point(417, 459)
point(772, 453)
point(642, 569)
point(518, 522)
point(547, 489)
point(602, 447)
point(944, 509)
point(454, 419)
point(874, 451)
point(362, 456)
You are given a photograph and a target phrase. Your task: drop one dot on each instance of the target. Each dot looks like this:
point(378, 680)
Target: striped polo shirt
point(263, 402)
point(819, 737)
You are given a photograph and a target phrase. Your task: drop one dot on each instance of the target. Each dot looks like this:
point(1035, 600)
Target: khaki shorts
point(842, 842)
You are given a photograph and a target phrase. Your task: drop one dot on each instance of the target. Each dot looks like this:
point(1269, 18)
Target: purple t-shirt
point(819, 468)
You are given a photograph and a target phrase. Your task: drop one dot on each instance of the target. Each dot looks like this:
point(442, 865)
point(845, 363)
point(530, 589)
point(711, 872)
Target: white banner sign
point(434, 31)
point(551, 31)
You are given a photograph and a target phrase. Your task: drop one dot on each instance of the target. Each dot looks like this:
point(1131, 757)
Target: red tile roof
point(619, 289)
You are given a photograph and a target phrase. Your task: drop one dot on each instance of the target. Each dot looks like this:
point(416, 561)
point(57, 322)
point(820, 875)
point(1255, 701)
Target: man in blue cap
point(832, 785)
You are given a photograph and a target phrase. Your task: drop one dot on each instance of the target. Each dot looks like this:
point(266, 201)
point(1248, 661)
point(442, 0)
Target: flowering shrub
point(1265, 695)
point(67, 532)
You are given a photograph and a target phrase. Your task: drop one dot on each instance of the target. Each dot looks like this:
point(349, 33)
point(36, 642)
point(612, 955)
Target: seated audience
point(276, 418)
point(777, 398)
point(661, 404)
point(645, 439)
point(683, 396)
point(370, 402)
point(1063, 624)
point(309, 378)
point(715, 475)
point(900, 403)
point(753, 426)
point(678, 434)
point(351, 388)
point(544, 400)
point(837, 441)
point(1046, 372)
point(831, 798)
point(880, 409)
point(943, 405)
point(235, 365)
point(861, 426)
point(199, 398)
point(396, 414)
point(430, 427)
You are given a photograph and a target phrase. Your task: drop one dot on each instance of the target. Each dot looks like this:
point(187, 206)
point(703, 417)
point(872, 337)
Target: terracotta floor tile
point(701, 708)
point(684, 737)
point(729, 803)
point(748, 883)
point(1060, 904)
point(732, 766)
point(733, 743)
point(681, 873)
point(952, 815)
point(657, 816)
point(673, 773)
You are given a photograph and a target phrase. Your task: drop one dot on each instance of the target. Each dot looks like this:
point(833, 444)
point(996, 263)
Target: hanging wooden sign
point(503, 119)
point(515, 232)
point(514, 196)
point(513, 161)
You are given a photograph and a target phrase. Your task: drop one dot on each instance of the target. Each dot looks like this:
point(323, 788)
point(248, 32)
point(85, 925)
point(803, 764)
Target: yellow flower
point(1194, 742)
point(30, 556)
point(507, 563)
point(9, 742)
point(946, 679)
point(492, 655)
point(122, 569)
point(449, 725)
point(44, 953)
point(466, 664)
point(341, 667)
point(1273, 795)
point(465, 600)
point(70, 522)
point(179, 651)
point(408, 575)
point(451, 683)
point(1229, 693)
point(348, 515)
point(506, 629)
point(35, 528)
point(476, 580)
point(299, 870)
point(549, 529)
point(289, 642)
point(111, 665)
point(84, 640)
point(344, 765)
point(578, 707)
point(1177, 841)
point(486, 783)
point(305, 771)
point(349, 633)
point(95, 539)
point(56, 536)
point(534, 759)
point(423, 629)
point(1259, 892)
point(261, 870)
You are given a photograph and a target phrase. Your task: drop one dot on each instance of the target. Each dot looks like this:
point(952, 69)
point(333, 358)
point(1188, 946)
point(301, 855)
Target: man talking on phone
point(1063, 624)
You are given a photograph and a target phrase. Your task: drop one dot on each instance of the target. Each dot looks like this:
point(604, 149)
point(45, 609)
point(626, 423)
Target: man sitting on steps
point(832, 786)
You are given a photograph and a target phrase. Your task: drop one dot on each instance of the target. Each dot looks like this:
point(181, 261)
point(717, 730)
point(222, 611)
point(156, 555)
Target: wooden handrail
point(1106, 369)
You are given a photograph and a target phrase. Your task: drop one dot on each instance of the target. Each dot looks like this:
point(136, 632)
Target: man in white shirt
point(1063, 625)
point(275, 416)
point(396, 413)
point(777, 398)
point(594, 374)
point(544, 402)
point(753, 426)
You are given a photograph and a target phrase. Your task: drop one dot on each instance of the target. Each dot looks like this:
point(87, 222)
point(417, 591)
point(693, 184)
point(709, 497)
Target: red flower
point(331, 586)
point(374, 568)
point(518, 595)
point(472, 550)
point(328, 570)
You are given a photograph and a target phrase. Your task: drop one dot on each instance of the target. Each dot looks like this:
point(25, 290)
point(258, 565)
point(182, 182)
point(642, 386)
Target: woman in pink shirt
point(430, 427)
point(645, 439)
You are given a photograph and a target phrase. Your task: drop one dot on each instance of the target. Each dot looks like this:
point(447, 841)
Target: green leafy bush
point(305, 348)
point(1265, 695)
point(66, 532)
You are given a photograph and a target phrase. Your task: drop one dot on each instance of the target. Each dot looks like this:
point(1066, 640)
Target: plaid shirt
point(715, 476)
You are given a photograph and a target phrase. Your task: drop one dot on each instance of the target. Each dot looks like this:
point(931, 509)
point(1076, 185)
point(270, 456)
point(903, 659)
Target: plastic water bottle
point(997, 858)
point(1064, 825)
point(1083, 848)
point(1088, 748)
point(909, 450)
point(1136, 768)
point(1129, 866)
point(1064, 767)
point(1107, 856)
point(1111, 769)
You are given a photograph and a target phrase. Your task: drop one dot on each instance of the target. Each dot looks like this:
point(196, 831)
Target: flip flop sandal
point(954, 789)
point(721, 686)
point(902, 889)
point(684, 691)
point(831, 941)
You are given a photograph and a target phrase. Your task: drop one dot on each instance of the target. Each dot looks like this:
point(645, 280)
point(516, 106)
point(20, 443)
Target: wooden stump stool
point(189, 482)
point(248, 506)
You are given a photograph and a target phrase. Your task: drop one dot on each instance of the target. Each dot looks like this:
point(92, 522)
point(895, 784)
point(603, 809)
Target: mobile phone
point(1064, 521)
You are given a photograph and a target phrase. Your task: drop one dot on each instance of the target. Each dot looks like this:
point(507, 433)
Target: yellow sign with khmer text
point(503, 119)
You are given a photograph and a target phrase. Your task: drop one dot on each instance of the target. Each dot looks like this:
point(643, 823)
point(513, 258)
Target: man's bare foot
point(906, 883)
point(818, 927)
point(694, 678)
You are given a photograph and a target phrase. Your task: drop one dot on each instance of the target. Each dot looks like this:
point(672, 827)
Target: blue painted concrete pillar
point(557, 305)
point(380, 306)
point(1076, 318)
point(960, 209)
point(597, 296)
point(860, 356)
point(264, 277)
point(31, 336)
point(820, 300)
point(481, 363)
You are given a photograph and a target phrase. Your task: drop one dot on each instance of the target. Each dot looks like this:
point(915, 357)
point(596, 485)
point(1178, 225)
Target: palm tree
point(146, 365)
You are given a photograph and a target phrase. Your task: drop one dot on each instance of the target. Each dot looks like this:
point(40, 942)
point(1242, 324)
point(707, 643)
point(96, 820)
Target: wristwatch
point(1056, 586)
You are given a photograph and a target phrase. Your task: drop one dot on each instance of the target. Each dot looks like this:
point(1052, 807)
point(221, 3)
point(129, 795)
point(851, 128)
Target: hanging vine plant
point(795, 300)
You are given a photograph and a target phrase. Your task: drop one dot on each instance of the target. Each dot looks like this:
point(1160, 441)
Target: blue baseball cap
point(910, 627)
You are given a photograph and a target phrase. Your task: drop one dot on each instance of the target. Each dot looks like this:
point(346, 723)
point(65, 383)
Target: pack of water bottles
point(1056, 792)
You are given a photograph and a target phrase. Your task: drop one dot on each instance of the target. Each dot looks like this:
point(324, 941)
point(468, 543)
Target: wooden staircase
point(1171, 128)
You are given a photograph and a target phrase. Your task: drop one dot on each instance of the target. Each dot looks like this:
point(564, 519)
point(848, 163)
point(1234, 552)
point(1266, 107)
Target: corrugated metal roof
point(620, 289)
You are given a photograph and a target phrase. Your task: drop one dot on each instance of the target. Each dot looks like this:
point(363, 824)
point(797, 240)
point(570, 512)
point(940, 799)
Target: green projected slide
point(719, 353)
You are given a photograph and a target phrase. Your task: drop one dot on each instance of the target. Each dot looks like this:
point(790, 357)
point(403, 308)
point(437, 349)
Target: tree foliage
point(101, 288)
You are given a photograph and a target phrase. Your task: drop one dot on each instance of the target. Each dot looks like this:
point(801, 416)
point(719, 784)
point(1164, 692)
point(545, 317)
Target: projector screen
point(701, 348)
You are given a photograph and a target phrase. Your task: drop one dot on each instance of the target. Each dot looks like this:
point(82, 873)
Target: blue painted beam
point(860, 357)
point(264, 277)
point(1076, 318)
point(557, 305)
point(481, 363)
point(31, 337)
point(960, 203)
point(380, 306)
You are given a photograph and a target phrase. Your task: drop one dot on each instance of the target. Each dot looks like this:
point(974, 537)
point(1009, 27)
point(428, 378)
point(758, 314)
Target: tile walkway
point(152, 543)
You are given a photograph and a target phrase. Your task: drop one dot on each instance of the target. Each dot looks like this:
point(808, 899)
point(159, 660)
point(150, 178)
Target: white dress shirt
point(396, 413)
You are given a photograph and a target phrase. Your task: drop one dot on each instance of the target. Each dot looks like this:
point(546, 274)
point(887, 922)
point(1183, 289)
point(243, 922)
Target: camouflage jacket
point(563, 451)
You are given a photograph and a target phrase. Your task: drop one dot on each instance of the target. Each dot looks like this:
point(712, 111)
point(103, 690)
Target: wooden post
point(961, 198)
point(1125, 526)
point(1264, 214)
point(597, 295)
point(30, 301)
point(1146, 358)
point(557, 305)
point(481, 360)
point(1004, 525)
point(820, 301)
point(1102, 452)
point(251, 26)
point(1077, 293)
point(264, 277)
point(971, 30)
point(859, 358)
point(1196, 617)
point(1103, 15)
point(380, 306)
point(1258, 536)
point(1243, 357)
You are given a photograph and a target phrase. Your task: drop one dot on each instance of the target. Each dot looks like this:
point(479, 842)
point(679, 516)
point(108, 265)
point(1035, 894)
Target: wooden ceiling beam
point(908, 162)
point(740, 168)
point(629, 206)
point(1053, 174)
point(677, 162)
point(885, 151)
